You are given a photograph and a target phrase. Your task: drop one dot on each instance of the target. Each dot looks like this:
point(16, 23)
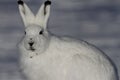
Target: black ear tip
point(20, 2)
point(47, 2)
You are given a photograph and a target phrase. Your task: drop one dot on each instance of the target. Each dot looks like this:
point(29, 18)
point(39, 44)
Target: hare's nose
point(31, 43)
point(31, 39)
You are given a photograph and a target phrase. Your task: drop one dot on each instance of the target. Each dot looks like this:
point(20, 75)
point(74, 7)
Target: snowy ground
point(96, 21)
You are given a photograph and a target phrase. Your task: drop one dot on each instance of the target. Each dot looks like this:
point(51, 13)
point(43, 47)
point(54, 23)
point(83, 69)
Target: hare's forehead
point(33, 29)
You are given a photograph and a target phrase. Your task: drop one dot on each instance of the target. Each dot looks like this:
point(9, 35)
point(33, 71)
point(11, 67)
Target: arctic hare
point(48, 57)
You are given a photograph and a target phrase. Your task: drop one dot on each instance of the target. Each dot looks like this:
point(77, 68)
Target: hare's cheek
point(26, 45)
point(36, 45)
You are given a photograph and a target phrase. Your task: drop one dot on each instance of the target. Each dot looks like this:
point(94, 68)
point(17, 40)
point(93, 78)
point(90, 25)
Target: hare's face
point(35, 38)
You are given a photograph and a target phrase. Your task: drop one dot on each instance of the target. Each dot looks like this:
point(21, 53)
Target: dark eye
point(24, 32)
point(41, 32)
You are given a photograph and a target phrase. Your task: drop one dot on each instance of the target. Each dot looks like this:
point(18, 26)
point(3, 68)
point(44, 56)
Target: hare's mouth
point(32, 48)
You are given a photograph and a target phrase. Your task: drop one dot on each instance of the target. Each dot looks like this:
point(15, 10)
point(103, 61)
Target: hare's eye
point(25, 32)
point(41, 32)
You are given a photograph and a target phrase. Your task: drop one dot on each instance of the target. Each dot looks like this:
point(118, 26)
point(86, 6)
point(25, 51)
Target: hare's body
point(47, 57)
point(66, 59)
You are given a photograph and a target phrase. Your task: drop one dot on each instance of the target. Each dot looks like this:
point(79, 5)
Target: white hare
point(48, 57)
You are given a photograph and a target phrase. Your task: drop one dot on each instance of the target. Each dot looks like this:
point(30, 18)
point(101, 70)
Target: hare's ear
point(26, 13)
point(43, 14)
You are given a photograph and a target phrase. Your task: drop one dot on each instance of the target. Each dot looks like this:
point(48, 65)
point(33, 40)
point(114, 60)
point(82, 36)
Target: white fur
point(59, 58)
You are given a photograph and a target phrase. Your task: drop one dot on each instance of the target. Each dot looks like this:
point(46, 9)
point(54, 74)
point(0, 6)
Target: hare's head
point(36, 34)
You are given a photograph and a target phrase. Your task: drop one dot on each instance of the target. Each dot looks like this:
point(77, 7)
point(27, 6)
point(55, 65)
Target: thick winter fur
point(48, 57)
